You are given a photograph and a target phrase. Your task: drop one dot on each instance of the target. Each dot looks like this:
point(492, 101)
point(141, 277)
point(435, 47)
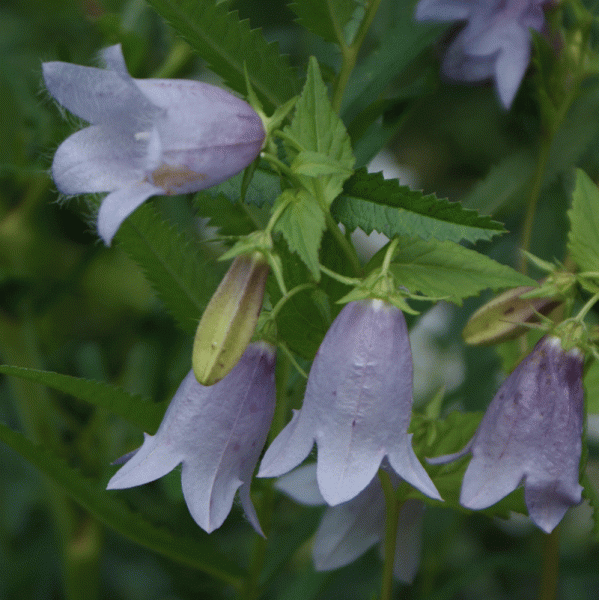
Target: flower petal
point(409, 540)
point(97, 159)
point(99, 95)
point(443, 10)
point(349, 529)
point(151, 461)
point(118, 205)
point(301, 485)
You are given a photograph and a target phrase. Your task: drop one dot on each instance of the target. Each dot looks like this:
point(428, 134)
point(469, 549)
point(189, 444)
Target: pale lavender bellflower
point(530, 434)
point(216, 434)
point(495, 41)
point(147, 136)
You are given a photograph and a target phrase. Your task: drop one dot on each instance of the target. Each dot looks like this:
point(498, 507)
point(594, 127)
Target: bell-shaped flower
point(357, 406)
point(530, 433)
point(495, 41)
point(216, 433)
point(147, 137)
point(350, 529)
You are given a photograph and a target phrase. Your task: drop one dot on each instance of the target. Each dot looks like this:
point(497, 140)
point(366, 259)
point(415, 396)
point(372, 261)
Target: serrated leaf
point(325, 18)
point(225, 42)
point(182, 279)
point(302, 224)
point(109, 510)
point(317, 128)
point(139, 412)
point(450, 271)
point(590, 493)
point(583, 238)
point(372, 203)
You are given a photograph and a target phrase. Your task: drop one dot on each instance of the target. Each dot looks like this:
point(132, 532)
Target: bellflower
point(530, 433)
point(216, 433)
point(357, 406)
point(148, 137)
point(495, 41)
point(350, 529)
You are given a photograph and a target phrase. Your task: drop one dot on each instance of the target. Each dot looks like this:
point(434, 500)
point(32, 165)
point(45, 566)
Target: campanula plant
point(258, 151)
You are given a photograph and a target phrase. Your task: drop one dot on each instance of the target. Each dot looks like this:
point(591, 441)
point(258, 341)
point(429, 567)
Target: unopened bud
point(502, 318)
point(230, 318)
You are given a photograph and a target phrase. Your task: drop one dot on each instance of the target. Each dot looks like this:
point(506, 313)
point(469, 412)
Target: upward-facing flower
point(357, 406)
point(148, 137)
point(495, 42)
point(217, 434)
point(530, 433)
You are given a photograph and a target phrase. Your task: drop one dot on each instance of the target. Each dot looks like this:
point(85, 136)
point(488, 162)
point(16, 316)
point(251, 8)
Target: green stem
point(341, 278)
point(393, 507)
point(292, 292)
point(350, 55)
point(549, 575)
point(343, 242)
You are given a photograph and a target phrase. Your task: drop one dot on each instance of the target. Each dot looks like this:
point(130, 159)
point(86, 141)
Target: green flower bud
point(230, 318)
point(501, 319)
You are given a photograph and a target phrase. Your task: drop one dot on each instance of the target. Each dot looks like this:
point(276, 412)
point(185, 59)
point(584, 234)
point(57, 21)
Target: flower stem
point(549, 574)
point(350, 54)
point(393, 506)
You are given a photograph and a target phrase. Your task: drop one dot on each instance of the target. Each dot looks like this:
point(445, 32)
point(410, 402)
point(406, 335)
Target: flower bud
point(230, 318)
point(501, 319)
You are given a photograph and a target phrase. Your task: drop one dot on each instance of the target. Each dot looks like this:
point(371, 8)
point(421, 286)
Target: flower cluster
point(495, 41)
point(148, 137)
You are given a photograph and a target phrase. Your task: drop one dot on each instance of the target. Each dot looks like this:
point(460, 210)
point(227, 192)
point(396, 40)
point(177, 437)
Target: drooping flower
point(350, 529)
point(148, 137)
point(530, 433)
point(216, 433)
point(357, 406)
point(495, 42)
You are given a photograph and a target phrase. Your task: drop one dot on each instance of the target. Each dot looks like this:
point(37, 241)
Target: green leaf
point(317, 128)
point(590, 493)
point(450, 271)
point(302, 224)
point(226, 43)
point(399, 46)
point(181, 277)
point(325, 18)
point(583, 238)
point(106, 507)
point(134, 409)
point(372, 203)
point(591, 387)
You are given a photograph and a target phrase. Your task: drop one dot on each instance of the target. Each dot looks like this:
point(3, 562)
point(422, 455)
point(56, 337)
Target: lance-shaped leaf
point(226, 43)
point(583, 238)
point(326, 19)
point(370, 202)
point(448, 270)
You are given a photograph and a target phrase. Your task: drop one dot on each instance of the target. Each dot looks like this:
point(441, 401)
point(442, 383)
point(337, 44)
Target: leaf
point(114, 513)
point(226, 43)
point(372, 203)
point(325, 18)
point(590, 493)
point(302, 224)
point(583, 238)
point(317, 128)
point(174, 267)
point(399, 46)
point(139, 412)
point(450, 271)
point(505, 181)
point(591, 387)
